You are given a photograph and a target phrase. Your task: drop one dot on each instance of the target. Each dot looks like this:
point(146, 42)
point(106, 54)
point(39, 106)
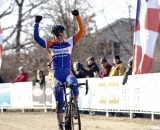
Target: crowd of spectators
point(117, 68)
point(40, 76)
point(91, 70)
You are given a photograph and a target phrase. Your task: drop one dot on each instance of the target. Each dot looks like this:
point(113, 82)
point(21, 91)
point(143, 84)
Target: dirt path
point(42, 121)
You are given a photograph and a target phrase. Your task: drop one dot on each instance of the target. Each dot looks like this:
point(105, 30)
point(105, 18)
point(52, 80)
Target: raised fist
point(38, 18)
point(75, 12)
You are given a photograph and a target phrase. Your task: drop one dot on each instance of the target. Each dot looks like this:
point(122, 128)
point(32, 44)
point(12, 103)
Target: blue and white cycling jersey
point(59, 53)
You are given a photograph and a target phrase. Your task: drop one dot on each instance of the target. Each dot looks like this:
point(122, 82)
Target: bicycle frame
point(69, 123)
point(67, 104)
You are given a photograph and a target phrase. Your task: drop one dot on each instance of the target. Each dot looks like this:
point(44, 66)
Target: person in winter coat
point(76, 71)
point(93, 69)
point(105, 68)
point(117, 68)
point(128, 71)
point(22, 76)
point(41, 78)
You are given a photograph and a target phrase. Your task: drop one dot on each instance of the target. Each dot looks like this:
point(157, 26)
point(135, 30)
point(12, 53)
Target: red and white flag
point(145, 35)
point(1, 41)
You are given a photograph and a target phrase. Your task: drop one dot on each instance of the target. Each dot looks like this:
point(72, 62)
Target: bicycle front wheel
point(74, 117)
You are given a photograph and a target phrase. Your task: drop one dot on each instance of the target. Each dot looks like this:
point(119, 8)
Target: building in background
point(115, 38)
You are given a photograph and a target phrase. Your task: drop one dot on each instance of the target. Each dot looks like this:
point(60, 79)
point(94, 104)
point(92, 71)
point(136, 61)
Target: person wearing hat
point(117, 68)
point(106, 68)
point(41, 78)
point(77, 67)
point(128, 71)
point(22, 76)
point(93, 69)
point(50, 75)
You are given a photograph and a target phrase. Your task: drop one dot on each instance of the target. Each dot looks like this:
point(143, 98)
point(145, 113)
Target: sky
point(112, 10)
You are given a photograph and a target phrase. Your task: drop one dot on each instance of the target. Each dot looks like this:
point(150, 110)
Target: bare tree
point(23, 9)
point(19, 48)
point(7, 11)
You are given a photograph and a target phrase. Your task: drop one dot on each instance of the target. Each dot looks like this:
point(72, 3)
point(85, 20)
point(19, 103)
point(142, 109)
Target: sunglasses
point(59, 34)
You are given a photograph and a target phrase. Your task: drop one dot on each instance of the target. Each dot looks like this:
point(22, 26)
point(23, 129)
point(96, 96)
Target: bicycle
point(71, 122)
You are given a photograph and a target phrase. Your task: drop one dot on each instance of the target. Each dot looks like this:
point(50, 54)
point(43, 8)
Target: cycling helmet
point(56, 29)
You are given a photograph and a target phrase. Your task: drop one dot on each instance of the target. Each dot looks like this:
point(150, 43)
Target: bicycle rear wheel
point(75, 122)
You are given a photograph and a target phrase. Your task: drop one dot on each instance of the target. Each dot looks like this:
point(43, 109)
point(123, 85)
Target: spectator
point(105, 68)
point(76, 71)
point(128, 71)
point(93, 69)
point(41, 78)
point(50, 74)
point(49, 68)
point(22, 76)
point(125, 78)
point(117, 68)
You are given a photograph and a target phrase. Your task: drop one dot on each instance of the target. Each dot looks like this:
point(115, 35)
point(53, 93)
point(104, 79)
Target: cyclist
point(128, 71)
point(59, 51)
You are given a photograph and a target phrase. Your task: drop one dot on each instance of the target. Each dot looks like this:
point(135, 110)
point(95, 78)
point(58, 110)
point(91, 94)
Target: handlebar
point(72, 85)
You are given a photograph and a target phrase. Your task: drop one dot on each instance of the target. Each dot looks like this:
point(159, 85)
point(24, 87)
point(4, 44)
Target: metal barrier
point(141, 94)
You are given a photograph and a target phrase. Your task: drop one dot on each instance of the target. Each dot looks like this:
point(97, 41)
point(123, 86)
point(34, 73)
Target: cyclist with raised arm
point(59, 50)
